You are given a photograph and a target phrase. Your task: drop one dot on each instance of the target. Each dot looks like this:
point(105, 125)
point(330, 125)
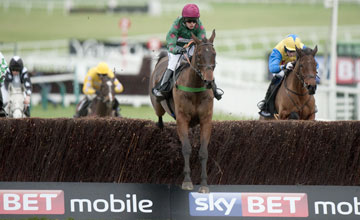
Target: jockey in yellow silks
point(281, 59)
point(92, 83)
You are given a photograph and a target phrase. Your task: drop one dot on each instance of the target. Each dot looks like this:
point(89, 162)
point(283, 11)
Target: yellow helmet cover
point(102, 68)
point(291, 41)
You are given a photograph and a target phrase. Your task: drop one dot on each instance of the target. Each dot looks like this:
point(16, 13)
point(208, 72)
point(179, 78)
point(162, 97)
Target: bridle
point(302, 78)
point(305, 85)
point(199, 65)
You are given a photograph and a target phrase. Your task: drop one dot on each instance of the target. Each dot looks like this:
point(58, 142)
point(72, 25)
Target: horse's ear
point(212, 36)
point(299, 51)
point(314, 50)
point(197, 41)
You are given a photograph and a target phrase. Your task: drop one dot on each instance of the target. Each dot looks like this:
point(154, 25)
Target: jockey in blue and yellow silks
point(280, 59)
point(283, 53)
point(92, 83)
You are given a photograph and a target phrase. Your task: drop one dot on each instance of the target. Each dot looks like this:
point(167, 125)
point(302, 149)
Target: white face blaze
point(16, 103)
point(109, 84)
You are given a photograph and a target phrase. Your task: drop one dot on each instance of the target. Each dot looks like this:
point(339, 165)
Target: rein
point(196, 70)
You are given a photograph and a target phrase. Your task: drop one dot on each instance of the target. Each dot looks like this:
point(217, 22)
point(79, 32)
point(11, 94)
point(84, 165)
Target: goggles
point(191, 20)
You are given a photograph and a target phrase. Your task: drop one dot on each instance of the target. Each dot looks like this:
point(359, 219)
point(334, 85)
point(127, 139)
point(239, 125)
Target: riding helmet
point(16, 64)
point(191, 11)
point(102, 68)
point(291, 41)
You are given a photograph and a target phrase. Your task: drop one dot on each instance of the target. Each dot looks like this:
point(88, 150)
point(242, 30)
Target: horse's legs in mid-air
point(159, 110)
point(205, 132)
point(182, 126)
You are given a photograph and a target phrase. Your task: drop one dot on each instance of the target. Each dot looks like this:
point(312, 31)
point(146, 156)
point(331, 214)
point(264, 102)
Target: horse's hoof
point(187, 186)
point(204, 189)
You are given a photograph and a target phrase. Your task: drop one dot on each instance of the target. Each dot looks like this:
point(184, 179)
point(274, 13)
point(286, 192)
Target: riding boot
point(27, 111)
point(264, 104)
point(2, 110)
point(116, 108)
point(217, 91)
point(83, 108)
point(159, 89)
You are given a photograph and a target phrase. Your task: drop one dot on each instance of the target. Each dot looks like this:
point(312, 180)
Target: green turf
point(143, 112)
point(16, 25)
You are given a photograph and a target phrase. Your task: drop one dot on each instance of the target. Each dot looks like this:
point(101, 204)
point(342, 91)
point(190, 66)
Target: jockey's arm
point(172, 37)
point(274, 61)
point(3, 67)
point(119, 88)
point(88, 88)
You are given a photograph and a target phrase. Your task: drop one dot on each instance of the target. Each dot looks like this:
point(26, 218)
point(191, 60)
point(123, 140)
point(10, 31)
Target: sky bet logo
point(249, 204)
point(32, 202)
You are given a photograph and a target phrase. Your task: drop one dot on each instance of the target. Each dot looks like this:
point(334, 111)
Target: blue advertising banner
point(268, 202)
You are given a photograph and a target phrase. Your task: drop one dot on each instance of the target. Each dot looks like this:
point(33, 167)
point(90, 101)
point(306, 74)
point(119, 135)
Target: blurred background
point(59, 40)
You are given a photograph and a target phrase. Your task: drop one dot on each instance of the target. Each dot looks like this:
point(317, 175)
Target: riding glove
point(289, 66)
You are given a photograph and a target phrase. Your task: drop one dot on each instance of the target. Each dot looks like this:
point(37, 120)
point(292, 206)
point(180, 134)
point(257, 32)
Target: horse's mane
point(306, 51)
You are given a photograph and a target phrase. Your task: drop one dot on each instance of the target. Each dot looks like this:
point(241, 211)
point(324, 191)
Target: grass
point(143, 112)
point(16, 25)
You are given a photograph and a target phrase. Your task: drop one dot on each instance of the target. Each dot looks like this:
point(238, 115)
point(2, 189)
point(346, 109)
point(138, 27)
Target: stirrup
point(261, 105)
point(265, 114)
point(3, 113)
point(218, 93)
point(158, 95)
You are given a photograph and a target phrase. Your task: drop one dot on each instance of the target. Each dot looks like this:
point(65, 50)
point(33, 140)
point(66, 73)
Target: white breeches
point(174, 58)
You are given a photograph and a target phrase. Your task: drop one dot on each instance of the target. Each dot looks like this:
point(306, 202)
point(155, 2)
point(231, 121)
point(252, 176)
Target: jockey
point(3, 67)
point(92, 84)
point(18, 76)
point(177, 37)
point(281, 59)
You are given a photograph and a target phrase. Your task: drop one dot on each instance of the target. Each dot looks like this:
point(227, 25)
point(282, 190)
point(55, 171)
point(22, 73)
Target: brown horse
point(102, 105)
point(295, 98)
point(192, 99)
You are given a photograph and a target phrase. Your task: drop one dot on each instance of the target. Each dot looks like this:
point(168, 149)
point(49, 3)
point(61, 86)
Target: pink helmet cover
point(191, 11)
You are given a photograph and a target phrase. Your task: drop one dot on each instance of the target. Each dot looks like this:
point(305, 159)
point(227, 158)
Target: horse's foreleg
point(183, 132)
point(203, 154)
point(160, 123)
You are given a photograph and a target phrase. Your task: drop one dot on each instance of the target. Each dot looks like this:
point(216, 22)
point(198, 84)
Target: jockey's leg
point(83, 108)
point(264, 104)
point(27, 111)
point(2, 110)
point(160, 88)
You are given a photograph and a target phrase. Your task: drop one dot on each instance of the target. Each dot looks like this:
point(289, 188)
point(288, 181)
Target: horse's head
point(107, 91)
point(16, 102)
point(306, 68)
point(204, 59)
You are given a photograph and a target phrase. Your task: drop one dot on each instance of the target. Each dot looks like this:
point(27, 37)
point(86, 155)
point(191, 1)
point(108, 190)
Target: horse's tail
point(161, 55)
